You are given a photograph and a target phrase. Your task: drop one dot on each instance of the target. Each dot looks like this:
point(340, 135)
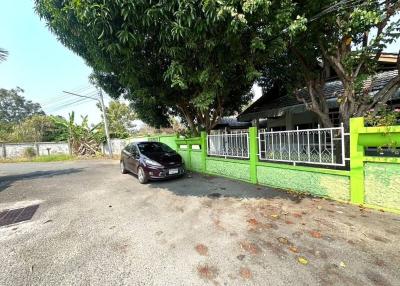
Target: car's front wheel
point(143, 179)
point(122, 167)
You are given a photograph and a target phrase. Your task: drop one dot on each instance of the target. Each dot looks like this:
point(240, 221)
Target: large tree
point(15, 108)
point(3, 55)
point(347, 37)
point(197, 59)
point(120, 119)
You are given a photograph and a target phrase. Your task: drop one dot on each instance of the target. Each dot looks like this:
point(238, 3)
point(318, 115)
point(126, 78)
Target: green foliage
point(83, 139)
point(3, 55)
point(47, 158)
point(385, 116)
point(196, 59)
point(15, 108)
point(29, 152)
point(37, 128)
point(347, 40)
point(120, 119)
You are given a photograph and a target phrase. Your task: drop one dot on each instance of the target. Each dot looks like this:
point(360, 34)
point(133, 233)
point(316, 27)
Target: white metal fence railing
point(229, 144)
point(322, 146)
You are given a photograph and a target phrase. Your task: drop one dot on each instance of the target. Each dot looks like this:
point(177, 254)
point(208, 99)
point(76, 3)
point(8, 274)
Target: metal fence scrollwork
point(232, 144)
point(322, 146)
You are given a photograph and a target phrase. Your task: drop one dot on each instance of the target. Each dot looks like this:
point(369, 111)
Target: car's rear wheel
point(142, 177)
point(122, 166)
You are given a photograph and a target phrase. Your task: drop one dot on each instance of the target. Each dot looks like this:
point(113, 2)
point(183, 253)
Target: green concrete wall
point(196, 164)
point(371, 181)
point(185, 156)
point(170, 141)
point(318, 184)
point(229, 168)
point(382, 184)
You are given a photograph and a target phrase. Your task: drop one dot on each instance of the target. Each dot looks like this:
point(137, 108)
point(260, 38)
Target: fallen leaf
point(342, 264)
point(250, 247)
point(283, 240)
point(245, 273)
point(207, 272)
point(319, 207)
point(202, 249)
point(315, 234)
point(302, 260)
point(252, 221)
point(293, 249)
point(274, 215)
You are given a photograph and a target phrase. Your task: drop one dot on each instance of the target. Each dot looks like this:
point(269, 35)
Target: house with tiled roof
point(283, 111)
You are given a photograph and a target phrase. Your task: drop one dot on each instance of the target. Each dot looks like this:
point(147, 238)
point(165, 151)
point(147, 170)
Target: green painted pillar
point(356, 162)
point(203, 151)
point(189, 164)
point(253, 154)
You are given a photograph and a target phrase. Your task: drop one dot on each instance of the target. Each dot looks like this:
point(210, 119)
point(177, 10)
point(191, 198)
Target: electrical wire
point(71, 104)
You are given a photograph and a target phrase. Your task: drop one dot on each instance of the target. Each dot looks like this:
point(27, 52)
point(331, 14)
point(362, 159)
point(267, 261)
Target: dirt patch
point(376, 278)
point(202, 249)
point(379, 238)
point(276, 248)
point(245, 273)
point(207, 272)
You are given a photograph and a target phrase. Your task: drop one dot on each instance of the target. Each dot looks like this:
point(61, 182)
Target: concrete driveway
point(95, 226)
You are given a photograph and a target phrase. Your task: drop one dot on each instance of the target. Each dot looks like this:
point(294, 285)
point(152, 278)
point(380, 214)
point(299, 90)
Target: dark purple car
point(151, 161)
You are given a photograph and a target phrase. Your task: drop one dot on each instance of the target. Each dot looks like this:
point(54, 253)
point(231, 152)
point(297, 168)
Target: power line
point(80, 95)
point(69, 104)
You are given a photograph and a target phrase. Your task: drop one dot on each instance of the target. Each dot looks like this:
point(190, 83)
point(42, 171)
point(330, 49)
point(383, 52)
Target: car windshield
point(153, 147)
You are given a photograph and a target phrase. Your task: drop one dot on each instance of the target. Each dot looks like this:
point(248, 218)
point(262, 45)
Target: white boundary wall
point(16, 150)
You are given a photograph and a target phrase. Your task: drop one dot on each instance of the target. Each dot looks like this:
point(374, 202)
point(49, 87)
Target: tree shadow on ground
point(7, 181)
point(200, 185)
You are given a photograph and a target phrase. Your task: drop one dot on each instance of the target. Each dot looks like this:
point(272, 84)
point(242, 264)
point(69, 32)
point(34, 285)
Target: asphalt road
point(95, 226)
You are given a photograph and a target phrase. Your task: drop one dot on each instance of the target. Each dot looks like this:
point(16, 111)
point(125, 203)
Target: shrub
point(29, 152)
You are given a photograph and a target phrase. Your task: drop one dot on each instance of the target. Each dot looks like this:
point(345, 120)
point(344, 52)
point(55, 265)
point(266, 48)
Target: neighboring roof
point(231, 122)
point(267, 107)
point(388, 58)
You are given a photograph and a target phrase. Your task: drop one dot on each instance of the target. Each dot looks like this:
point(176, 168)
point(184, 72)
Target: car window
point(153, 147)
point(128, 148)
point(134, 149)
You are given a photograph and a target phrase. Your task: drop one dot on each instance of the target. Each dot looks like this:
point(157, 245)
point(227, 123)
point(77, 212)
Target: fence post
point(4, 151)
point(189, 146)
point(203, 148)
point(36, 145)
point(356, 162)
point(253, 154)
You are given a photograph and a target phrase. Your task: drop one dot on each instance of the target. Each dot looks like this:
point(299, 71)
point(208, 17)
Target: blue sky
point(43, 67)
point(39, 64)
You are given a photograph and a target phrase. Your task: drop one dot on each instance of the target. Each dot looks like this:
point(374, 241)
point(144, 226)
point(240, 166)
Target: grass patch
point(37, 159)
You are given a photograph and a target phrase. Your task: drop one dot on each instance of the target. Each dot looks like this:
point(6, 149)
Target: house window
point(334, 117)
point(303, 126)
point(278, 128)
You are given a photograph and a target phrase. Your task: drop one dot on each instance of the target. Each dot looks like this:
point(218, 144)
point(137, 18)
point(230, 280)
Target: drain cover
point(17, 215)
point(214, 195)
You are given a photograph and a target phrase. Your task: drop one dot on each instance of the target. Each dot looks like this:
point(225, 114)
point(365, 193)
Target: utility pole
point(103, 108)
